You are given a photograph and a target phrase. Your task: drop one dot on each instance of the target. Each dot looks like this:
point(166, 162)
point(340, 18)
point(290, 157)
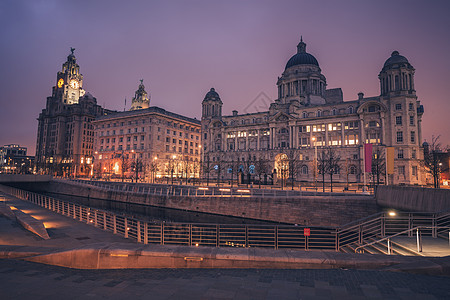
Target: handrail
point(400, 233)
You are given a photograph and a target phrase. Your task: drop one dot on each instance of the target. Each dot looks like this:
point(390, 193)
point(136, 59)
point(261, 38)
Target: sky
point(183, 48)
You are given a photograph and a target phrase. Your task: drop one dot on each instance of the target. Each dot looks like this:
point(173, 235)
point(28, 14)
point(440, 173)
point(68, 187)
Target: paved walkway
point(27, 280)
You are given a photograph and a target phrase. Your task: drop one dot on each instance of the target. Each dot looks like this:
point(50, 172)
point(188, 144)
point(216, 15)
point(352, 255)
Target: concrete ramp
point(126, 256)
point(31, 224)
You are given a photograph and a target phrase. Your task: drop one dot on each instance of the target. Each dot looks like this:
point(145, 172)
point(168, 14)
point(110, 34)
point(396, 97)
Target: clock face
point(60, 83)
point(74, 84)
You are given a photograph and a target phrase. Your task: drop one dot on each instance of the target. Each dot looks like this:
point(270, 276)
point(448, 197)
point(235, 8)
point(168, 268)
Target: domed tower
point(302, 79)
point(69, 81)
point(140, 99)
point(397, 76)
point(212, 105)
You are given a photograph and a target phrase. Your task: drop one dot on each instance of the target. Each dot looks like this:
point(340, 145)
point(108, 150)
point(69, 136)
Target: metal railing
point(203, 191)
point(419, 230)
point(242, 235)
point(215, 235)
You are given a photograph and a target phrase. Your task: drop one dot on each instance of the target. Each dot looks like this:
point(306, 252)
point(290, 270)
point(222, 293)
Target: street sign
point(306, 231)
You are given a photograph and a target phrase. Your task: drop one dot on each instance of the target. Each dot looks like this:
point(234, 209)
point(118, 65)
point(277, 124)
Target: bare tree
point(207, 165)
point(322, 166)
point(333, 164)
point(153, 168)
point(248, 162)
point(378, 165)
point(283, 169)
point(138, 166)
point(261, 168)
point(433, 159)
point(294, 164)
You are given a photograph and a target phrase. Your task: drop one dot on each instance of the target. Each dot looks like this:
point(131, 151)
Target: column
point(258, 145)
point(290, 136)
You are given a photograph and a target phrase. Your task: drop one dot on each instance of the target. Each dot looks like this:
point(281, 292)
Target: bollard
point(419, 245)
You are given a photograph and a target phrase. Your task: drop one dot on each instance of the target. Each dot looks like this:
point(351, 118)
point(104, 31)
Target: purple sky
point(183, 48)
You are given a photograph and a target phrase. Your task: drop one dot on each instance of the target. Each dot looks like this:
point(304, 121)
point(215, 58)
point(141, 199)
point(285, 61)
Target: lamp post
point(172, 169)
point(315, 161)
point(201, 164)
point(154, 168)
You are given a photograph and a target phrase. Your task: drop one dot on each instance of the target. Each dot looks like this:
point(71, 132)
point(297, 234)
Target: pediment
point(281, 117)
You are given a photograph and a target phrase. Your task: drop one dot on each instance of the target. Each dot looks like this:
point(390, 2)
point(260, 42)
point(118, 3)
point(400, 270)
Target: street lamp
point(154, 168)
point(315, 161)
point(201, 166)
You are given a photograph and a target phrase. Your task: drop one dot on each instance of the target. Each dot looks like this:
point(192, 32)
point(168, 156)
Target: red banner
point(368, 158)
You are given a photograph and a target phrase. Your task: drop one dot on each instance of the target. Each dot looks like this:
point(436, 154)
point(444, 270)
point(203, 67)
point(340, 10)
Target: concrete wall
point(319, 211)
point(413, 198)
point(8, 178)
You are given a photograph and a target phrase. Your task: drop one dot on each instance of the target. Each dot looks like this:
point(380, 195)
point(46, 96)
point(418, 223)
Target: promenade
point(20, 278)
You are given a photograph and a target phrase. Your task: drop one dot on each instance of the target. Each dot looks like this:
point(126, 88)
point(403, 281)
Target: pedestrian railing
point(419, 231)
point(242, 235)
point(201, 191)
point(215, 235)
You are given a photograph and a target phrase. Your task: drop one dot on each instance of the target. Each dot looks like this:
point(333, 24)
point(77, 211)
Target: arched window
point(305, 170)
point(319, 113)
point(333, 111)
point(305, 114)
point(352, 170)
point(350, 109)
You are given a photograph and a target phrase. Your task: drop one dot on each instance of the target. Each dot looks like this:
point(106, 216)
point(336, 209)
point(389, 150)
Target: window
point(350, 110)
point(398, 120)
point(305, 170)
point(399, 136)
point(374, 124)
point(414, 171)
point(400, 153)
point(372, 108)
point(413, 137)
point(411, 106)
point(333, 112)
point(413, 154)
point(319, 113)
point(411, 120)
point(305, 114)
point(398, 106)
point(401, 170)
point(352, 170)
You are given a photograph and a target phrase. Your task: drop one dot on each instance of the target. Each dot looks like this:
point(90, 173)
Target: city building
point(307, 120)
point(14, 159)
point(65, 137)
point(146, 141)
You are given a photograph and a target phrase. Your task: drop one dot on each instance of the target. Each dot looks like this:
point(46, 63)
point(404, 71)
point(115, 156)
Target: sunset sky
point(183, 48)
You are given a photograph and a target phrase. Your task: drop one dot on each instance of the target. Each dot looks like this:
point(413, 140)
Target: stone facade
point(65, 137)
point(159, 142)
point(307, 118)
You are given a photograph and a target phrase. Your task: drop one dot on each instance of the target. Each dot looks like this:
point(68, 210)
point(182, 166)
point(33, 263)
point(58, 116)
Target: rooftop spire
point(301, 47)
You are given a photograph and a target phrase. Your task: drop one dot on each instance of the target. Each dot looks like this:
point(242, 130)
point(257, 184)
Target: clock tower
point(69, 81)
point(65, 137)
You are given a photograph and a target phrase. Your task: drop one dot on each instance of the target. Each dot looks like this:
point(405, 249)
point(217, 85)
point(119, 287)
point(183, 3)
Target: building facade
point(307, 118)
point(14, 159)
point(156, 142)
point(65, 137)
